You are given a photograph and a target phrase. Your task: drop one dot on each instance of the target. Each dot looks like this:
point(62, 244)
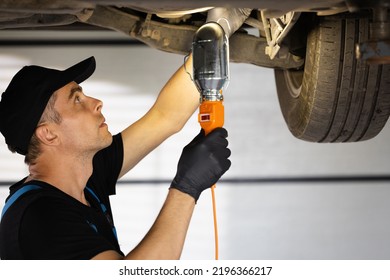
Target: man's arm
point(175, 104)
point(165, 239)
point(202, 162)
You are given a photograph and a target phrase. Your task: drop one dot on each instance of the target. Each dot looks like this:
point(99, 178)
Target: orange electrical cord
point(215, 221)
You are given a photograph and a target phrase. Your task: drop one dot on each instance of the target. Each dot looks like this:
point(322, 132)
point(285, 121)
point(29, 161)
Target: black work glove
point(202, 162)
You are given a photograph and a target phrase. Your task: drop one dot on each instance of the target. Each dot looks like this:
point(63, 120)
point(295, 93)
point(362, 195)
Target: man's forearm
point(165, 240)
point(175, 104)
point(179, 98)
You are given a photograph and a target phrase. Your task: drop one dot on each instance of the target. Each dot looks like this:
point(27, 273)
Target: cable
point(215, 222)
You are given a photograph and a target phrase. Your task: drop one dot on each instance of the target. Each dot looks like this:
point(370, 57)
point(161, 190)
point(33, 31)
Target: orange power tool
point(210, 54)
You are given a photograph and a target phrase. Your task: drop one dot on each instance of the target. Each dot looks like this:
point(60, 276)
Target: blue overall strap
point(104, 209)
point(16, 195)
point(28, 188)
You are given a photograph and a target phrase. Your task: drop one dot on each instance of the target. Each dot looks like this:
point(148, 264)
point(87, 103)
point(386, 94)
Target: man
point(61, 210)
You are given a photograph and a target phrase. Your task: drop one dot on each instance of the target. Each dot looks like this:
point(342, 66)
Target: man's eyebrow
point(73, 91)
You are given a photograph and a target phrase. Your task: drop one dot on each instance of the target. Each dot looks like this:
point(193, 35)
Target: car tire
point(335, 98)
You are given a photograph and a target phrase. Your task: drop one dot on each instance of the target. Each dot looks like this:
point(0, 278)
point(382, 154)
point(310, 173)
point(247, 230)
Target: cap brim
point(80, 71)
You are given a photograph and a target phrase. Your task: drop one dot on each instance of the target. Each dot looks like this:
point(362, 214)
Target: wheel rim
point(293, 82)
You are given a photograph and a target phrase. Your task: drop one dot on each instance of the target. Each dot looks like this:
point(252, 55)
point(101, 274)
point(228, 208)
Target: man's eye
point(77, 99)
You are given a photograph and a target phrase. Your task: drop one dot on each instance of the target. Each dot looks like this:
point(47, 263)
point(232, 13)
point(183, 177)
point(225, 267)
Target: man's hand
point(203, 161)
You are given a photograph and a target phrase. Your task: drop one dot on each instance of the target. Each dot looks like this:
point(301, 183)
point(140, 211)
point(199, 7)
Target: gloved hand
point(203, 161)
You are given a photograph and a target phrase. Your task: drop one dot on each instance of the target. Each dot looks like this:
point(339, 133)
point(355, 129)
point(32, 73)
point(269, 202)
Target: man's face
point(83, 128)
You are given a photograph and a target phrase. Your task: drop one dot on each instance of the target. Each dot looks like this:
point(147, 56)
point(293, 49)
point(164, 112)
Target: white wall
point(256, 221)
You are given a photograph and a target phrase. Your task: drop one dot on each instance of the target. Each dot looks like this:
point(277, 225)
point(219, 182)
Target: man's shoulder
point(34, 197)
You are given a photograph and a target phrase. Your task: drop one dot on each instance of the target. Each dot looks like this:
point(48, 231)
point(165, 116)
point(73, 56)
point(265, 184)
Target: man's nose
point(98, 104)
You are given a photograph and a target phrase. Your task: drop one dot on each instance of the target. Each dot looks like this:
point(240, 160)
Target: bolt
point(166, 42)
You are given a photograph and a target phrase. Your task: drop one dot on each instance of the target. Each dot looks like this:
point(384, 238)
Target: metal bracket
point(276, 30)
point(377, 49)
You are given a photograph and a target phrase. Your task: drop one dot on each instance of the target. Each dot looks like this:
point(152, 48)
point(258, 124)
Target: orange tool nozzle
point(211, 115)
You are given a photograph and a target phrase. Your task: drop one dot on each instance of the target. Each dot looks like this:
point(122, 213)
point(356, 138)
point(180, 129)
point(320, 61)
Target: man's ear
point(46, 135)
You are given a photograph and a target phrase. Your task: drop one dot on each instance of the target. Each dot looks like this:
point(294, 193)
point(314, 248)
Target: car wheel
point(335, 98)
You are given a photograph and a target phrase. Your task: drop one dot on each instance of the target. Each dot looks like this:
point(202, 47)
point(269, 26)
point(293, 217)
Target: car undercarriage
point(331, 58)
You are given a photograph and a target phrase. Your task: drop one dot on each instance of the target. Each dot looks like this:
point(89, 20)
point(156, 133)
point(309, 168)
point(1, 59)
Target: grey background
point(264, 219)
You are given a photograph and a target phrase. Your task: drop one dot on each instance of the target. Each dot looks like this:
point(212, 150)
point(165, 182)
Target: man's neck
point(70, 175)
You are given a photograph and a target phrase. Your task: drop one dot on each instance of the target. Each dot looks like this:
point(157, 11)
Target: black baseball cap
point(27, 95)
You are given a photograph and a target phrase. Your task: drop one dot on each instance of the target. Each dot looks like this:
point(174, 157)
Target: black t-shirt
point(49, 224)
